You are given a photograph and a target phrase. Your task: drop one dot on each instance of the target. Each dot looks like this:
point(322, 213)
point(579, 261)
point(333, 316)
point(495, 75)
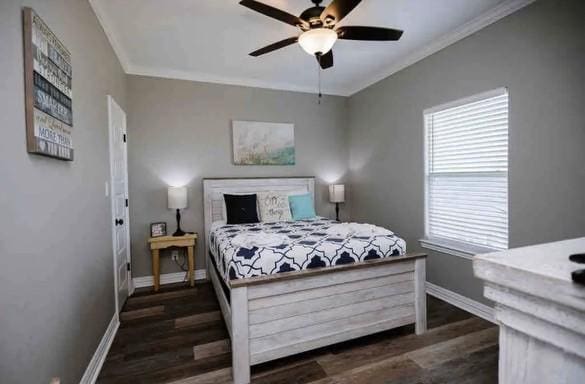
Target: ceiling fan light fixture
point(318, 40)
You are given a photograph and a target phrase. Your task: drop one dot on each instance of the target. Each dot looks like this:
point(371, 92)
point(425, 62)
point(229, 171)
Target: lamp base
point(179, 232)
point(337, 211)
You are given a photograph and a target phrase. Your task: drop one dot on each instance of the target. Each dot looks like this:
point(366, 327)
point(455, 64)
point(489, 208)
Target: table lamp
point(337, 195)
point(177, 199)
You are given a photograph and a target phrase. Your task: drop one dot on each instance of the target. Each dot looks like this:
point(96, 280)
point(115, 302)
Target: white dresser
point(540, 310)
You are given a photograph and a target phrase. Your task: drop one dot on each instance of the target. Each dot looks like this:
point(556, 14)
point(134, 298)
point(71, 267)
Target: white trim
point(476, 308)
point(109, 31)
point(446, 245)
point(167, 278)
point(97, 361)
point(455, 248)
point(169, 73)
point(467, 100)
point(112, 103)
point(131, 287)
point(499, 12)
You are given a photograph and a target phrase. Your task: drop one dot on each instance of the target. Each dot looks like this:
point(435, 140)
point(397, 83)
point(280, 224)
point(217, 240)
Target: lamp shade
point(177, 197)
point(318, 40)
point(337, 193)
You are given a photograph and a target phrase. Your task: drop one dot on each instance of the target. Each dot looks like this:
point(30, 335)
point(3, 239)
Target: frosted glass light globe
point(319, 40)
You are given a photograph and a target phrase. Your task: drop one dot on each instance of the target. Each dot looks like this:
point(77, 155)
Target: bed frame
point(270, 317)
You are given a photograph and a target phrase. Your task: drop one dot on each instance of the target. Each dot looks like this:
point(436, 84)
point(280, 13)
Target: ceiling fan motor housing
point(313, 16)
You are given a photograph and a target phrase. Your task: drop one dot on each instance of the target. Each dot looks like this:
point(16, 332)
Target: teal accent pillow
point(302, 206)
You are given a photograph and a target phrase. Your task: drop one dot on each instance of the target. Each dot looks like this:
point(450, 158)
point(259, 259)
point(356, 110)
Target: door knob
point(119, 221)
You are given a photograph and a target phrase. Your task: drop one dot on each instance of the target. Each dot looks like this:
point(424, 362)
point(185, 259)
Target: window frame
point(450, 246)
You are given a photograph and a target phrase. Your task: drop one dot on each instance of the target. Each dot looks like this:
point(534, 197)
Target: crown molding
point(499, 12)
point(168, 73)
point(109, 31)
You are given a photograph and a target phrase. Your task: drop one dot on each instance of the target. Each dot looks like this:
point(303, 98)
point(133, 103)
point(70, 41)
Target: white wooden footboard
point(281, 315)
point(274, 316)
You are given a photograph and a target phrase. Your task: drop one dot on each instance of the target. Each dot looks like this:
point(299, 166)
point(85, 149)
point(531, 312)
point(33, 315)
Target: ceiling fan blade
point(369, 33)
point(275, 46)
point(275, 13)
point(338, 9)
point(326, 60)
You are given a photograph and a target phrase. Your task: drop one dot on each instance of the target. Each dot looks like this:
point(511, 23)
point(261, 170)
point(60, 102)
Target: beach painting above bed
point(257, 143)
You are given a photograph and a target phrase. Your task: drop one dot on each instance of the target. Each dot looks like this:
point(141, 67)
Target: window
point(467, 173)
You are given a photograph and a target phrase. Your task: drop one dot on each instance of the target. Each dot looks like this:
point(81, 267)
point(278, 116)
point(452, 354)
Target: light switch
point(107, 189)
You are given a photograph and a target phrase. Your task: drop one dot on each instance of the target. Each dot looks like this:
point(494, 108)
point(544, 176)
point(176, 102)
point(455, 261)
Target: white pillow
point(274, 206)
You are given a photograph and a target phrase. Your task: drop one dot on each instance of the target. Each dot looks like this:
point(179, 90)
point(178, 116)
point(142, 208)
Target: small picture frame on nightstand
point(158, 229)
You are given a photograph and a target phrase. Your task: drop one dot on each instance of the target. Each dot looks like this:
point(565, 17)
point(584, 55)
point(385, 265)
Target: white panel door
point(119, 198)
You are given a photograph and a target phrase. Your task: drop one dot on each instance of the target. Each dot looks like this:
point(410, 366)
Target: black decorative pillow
point(241, 209)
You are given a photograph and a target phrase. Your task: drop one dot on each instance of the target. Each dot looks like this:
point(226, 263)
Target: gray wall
point(539, 54)
point(56, 279)
point(180, 132)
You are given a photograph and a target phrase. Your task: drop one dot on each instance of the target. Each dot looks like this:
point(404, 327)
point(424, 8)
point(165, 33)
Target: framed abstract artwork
point(258, 143)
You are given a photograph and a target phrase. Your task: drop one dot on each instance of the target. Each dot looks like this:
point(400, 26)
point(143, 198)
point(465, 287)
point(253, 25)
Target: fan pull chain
point(319, 79)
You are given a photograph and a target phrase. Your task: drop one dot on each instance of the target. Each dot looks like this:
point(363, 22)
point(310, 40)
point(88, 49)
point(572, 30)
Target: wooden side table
point(157, 243)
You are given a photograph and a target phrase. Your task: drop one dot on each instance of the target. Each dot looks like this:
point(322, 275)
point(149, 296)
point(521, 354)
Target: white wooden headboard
point(214, 189)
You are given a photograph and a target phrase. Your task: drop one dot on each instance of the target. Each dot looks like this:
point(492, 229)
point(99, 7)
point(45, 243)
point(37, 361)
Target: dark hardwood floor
point(178, 336)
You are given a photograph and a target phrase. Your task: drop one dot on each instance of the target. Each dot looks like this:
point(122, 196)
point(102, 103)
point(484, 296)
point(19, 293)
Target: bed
point(317, 289)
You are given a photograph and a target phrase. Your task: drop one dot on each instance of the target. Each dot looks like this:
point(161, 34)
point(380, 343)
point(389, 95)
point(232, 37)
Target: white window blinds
point(467, 171)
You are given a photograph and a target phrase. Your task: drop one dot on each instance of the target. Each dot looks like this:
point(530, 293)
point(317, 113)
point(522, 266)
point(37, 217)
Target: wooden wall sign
point(47, 75)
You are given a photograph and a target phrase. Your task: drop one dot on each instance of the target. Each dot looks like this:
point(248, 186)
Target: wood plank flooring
point(177, 336)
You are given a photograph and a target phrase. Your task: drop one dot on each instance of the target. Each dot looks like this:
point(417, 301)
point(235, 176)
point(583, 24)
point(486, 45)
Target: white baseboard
point(478, 309)
point(95, 364)
point(167, 278)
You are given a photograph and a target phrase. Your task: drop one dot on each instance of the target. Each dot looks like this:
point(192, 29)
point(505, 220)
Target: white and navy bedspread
point(309, 246)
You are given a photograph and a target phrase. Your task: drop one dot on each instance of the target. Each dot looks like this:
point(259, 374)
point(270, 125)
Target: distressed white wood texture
point(335, 300)
point(420, 295)
point(316, 311)
point(541, 270)
point(356, 318)
point(240, 339)
point(524, 359)
point(540, 310)
point(323, 316)
point(341, 277)
point(360, 326)
point(289, 298)
point(224, 305)
point(345, 322)
point(286, 317)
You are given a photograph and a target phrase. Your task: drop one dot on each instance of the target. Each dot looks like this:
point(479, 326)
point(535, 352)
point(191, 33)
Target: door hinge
point(128, 267)
point(124, 138)
point(126, 202)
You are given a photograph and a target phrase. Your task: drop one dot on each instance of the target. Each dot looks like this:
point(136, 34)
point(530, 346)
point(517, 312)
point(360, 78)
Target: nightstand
point(157, 243)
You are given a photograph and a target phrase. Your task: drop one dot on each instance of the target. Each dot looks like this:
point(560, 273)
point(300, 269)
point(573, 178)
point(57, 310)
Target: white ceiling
point(209, 40)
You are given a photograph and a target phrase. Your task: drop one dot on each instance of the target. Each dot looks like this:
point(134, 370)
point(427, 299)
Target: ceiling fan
point(318, 32)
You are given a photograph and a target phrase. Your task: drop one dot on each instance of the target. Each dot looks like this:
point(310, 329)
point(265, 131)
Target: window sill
point(450, 247)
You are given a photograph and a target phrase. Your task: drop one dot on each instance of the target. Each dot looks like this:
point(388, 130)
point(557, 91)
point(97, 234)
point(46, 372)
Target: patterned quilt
point(309, 246)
